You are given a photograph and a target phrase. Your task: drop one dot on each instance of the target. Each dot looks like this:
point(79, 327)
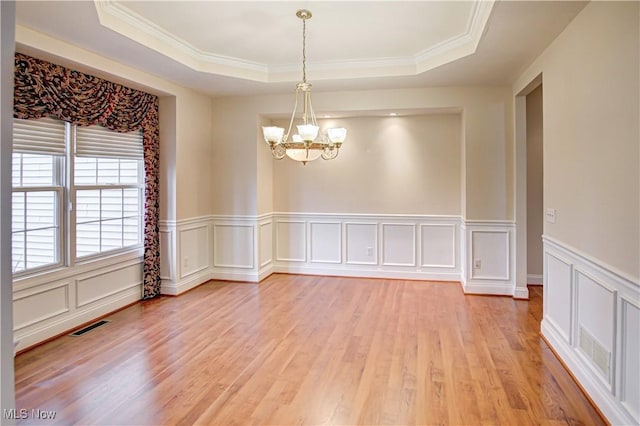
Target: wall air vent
point(597, 353)
point(88, 328)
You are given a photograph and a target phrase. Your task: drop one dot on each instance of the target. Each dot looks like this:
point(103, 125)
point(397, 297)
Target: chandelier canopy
point(303, 146)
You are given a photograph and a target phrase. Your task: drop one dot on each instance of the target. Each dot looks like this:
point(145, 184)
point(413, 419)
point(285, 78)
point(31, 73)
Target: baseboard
point(366, 273)
point(194, 280)
point(534, 279)
point(186, 284)
point(265, 272)
point(521, 293)
point(604, 401)
point(487, 288)
point(251, 277)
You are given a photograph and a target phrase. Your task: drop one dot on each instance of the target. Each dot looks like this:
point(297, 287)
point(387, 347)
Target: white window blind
point(39, 148)
point(43, 136)
point(100, 142)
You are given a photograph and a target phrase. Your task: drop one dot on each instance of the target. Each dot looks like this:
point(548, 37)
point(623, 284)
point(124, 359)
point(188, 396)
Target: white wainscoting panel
point(233, 245)
point(291, 241)
point(490, 258)
point(366, 245)
point(592, 321)
point(438, 246)
point(491, 250)
point(194, 246)
point(361, 243)
point(630, 358)
point(325, 240)
point(596, 316)
point(167, 254)
point(95, 287)
point(557, 294)
point(266, 244)
point(231, 248)
point(398, 244)
point(50, 304)
point(40, 304)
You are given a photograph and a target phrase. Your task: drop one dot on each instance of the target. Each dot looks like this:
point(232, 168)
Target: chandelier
point(303, 146)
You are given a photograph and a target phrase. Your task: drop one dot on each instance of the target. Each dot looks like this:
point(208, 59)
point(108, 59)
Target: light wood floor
point(308, 350)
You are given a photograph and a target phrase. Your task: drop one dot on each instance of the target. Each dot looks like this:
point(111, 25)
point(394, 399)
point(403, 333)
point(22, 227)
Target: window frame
point(73, 190)
point(65, 212)
point(59, 176)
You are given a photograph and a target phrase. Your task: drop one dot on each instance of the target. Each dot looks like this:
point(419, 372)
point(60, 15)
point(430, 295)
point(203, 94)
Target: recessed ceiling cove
point(261, 41)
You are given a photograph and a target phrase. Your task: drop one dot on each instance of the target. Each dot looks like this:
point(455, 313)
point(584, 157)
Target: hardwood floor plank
point(308, 350)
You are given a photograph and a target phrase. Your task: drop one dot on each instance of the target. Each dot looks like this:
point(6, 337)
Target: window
point(99, 173)
point(108, 190)
point(37, 178)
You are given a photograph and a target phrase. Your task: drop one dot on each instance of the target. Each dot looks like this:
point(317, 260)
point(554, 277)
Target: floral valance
point(43, 89)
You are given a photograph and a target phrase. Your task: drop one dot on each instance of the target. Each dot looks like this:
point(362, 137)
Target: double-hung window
point(38, 178)
point(108, 173)
point(77, 193)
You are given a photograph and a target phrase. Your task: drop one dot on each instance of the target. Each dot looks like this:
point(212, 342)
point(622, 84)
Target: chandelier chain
point(304, 50)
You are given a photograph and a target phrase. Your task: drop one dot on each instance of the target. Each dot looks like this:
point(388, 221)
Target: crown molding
point(119, 18)
point(116, 16)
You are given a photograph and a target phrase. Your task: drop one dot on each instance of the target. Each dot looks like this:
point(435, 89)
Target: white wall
point(591, 177)
point(7, 24)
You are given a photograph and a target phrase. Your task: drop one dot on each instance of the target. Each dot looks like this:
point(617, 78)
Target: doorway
point(529, 187)
point(534, 186)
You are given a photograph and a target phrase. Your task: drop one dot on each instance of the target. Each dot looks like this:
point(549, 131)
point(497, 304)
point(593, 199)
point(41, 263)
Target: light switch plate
point(550, 215)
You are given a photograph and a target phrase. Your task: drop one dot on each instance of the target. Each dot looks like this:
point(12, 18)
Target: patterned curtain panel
point(43, 89)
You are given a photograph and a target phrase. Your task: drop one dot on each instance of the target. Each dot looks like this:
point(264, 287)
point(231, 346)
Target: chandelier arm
point(293, 116)
point(329, 152)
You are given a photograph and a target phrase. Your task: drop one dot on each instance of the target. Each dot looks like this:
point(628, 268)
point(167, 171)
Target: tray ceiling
point(229, 48)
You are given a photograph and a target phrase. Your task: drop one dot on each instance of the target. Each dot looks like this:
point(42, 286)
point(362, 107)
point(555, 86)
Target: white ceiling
point(239, 48)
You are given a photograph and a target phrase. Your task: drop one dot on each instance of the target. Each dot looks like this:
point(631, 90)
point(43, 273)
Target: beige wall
point(591, 132)
point(486, 154)
point(265, 171)
point(168, 132)
point(193, 155)
point(390, 165)
point(489, 161)
point(534, 182)
point(234, 158)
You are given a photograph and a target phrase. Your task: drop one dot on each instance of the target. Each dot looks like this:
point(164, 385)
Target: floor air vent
point(89, 328)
